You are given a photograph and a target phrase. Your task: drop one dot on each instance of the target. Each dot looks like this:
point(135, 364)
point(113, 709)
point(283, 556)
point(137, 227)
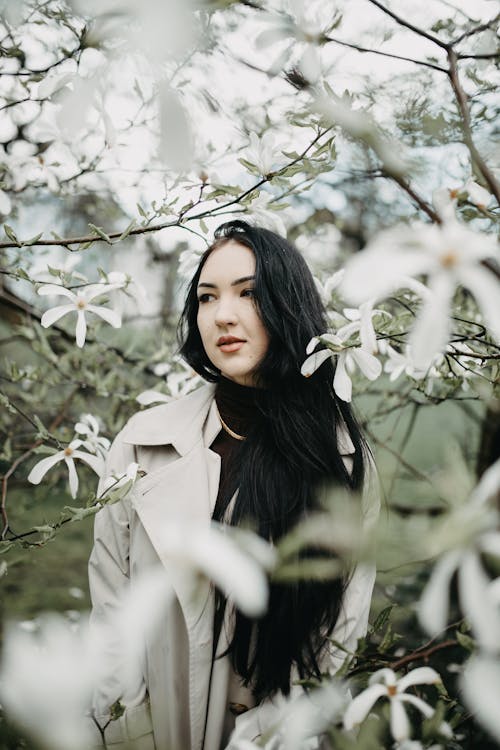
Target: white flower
point(477, 194)
point(179, 382)
point(67, 455)
point(262, 152)
point(480, 686)
point(385, 684)
point(398, 363)
point(329, 285)
point(348, 359)
point(46, 677)
point(265, 216)
point(89, 426)
point(79, 304)
point(450, 255)
point(469, 532)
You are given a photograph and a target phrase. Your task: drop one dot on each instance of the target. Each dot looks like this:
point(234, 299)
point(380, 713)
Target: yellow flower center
point(68, 451)
point(391, 690)
point(81, 303)
point(449, 259)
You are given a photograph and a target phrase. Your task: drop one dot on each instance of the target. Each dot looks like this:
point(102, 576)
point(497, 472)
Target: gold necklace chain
point(229, 431)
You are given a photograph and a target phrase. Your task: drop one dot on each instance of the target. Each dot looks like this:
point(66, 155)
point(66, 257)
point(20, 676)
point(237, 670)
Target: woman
point(254, 446)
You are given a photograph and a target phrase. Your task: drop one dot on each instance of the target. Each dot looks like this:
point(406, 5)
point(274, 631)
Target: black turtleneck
point(237, 407)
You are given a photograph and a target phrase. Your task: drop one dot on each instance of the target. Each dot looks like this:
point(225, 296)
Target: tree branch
point(357, 47)
point(402, 22)
point(461, 98)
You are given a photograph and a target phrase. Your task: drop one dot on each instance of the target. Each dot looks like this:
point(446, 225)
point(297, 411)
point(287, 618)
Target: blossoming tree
point(365, 131)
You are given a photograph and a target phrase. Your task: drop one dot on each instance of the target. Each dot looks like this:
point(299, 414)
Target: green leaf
point(102, 234)
point(11, 234)
point(48, 532)
point(33, 240)
point(465, 641)
point(127, 231)
point(78, 514)
point(42, 430)
point(382, 618)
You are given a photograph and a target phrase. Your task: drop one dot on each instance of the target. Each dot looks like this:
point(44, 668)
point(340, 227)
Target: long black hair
point(290, 453)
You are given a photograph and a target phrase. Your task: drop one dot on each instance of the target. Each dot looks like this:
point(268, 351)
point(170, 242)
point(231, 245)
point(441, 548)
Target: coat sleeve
point(108, 581)
point(351, 625)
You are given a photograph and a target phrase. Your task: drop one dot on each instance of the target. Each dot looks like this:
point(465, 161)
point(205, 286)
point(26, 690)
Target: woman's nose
point(225, 313)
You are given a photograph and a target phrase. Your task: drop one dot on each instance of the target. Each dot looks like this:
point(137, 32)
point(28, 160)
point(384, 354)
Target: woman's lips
point(232, 346)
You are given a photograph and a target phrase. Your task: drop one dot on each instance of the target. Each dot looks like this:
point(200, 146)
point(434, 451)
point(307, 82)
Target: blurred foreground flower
point(480, 683)
point(46, 677)
point(466, 535)
point(68, 455)
point(385, 684)
point(450, 255)
point(79, 304)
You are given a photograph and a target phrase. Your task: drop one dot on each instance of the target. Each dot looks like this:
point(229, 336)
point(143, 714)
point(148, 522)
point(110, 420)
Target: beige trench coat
point(178, 704)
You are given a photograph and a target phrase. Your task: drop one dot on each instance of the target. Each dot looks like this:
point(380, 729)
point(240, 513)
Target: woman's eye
point(204, 298)
point(248, 293)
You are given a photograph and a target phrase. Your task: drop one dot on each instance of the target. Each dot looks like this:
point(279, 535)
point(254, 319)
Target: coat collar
point(178, 423)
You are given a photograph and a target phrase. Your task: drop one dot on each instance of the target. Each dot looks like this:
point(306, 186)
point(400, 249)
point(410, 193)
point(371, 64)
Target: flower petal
point(110, 316)
point(370, 366)
point(55, 289)
point(152, 397)
point(434, 602)
point(39, 470)
point(95, 462)
point(54, 314)
point(419, 676)
point(476, 603)
point(486, 289)
point(488, 485)
point(431, 331)
point(386, 675)
point(480, 684)
point(361, 705)
point(422, 706)
point(73, 476)
point(342, 383)
point(81, 329)
point(400, 726)
point(314, 361)
point(312, 345)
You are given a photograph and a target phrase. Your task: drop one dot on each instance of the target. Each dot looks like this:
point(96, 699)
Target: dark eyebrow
point(233, 283)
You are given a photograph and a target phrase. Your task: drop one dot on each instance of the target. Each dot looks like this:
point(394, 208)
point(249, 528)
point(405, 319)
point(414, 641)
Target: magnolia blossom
point(263, 152)
point(348, 358)
point(46, 677)
point(450, 255)
point(327, 287)
point(466, 535)
point(80, 304)
point(385, 684)
point(179, 382)
point(260, 210)
point(95, 443)
point(398, 363)
point(68, 455)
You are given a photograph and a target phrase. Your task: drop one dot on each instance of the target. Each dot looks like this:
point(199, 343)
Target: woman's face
point(232, 332)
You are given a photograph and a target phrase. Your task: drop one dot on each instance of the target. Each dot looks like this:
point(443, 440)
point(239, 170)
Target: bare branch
point(402, 22)
point(357, 47)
